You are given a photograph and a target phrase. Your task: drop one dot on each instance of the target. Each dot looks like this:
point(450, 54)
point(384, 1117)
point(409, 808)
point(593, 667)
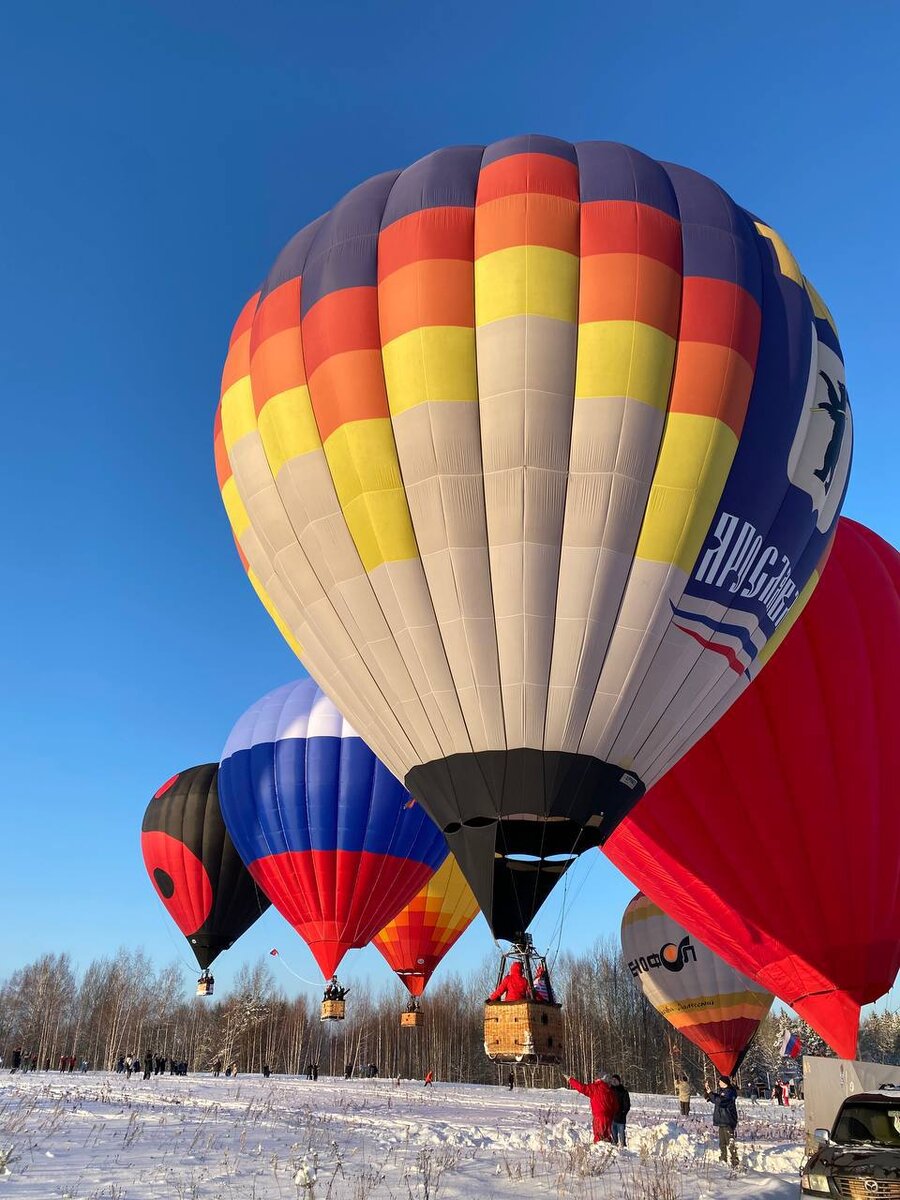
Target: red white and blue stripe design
point(323, 826)
point(791, 1047)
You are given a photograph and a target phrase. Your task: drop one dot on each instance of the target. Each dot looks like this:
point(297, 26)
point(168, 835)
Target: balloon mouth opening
point(540, 858)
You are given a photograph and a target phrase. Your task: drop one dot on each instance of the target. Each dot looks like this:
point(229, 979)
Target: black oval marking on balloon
point(164, 882)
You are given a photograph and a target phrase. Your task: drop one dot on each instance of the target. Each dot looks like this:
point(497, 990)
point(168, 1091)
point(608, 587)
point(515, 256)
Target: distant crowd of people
point(24, 1061)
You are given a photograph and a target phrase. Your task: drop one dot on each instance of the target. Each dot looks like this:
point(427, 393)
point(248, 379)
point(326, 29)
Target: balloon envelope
point(529, 449)
point(421, 934)
point(702, 996)
point(328, 833)
point(194, 866)
point(775, 839)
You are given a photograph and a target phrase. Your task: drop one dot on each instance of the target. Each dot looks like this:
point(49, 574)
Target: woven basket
point(333, 1010)
point(523, 1031)
point(411, 1020)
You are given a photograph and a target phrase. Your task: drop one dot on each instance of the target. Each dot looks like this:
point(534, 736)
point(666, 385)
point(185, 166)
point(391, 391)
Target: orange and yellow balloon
point(421, 934)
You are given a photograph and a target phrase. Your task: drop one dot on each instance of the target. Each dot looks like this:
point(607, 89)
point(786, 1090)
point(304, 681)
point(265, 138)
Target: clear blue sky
point(155, 157)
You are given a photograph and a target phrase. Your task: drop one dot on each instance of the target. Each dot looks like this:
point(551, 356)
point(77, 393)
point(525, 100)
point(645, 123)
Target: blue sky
point(155, 158)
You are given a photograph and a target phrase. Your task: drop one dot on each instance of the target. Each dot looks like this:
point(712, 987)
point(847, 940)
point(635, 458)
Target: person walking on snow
point(513, 986)
point(604, 1105)
point(683, 1093)
point(725, 1118)
point(429, 1079)
point(618, 1125)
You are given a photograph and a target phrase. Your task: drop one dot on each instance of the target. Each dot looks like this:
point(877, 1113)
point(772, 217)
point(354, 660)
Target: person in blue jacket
point(725, 1118)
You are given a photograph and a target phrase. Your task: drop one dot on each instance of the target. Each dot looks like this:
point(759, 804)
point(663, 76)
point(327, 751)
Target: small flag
point(274, 952)
point(791, 1046)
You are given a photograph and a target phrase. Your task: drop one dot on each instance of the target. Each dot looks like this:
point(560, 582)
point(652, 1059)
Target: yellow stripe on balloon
point(694, 461)
point(786, 260)
point(287, 426)
point(436, 362)
point(624, 358)
point(238, 516)
point(820, 308)
point(363, 463)
point(529, 280)
point(238, 413)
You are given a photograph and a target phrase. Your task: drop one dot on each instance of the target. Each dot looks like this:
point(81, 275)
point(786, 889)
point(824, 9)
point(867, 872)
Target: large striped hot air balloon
point(531, 450)
point(702, 996)
point(416, 940)
point(194, 867)
point(325, 829)
point(801, 772)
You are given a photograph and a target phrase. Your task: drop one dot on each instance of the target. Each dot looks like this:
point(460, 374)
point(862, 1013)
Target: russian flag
point(791, 1046)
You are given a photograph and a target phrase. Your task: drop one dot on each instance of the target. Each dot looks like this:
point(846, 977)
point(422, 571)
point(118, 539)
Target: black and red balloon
point(194, 867)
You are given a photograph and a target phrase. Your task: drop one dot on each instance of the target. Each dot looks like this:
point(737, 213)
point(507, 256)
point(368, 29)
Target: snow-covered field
point(98, 1137)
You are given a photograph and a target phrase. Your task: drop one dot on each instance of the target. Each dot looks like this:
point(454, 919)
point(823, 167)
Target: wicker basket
point(204, 987)
point(523, 1031)
point(411, 1020)
point(333, 1010)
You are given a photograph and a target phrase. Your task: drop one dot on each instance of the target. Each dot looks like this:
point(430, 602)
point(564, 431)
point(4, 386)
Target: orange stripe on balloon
point(348, 387)
point(712, 381)
point(527, 220)
point(438, 292)
point(245, 319)
point(430, 233)
point(276, 365)
point(223, 463)
point(530, 173)
point(629, 287)
point(277, 311)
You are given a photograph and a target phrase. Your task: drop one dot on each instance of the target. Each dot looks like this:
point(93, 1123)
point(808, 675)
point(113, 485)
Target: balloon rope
point(195, 968)
point(308, 982)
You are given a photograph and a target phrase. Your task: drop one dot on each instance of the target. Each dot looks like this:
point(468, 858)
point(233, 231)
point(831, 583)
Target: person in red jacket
point(604, 1106)
point(513, 986)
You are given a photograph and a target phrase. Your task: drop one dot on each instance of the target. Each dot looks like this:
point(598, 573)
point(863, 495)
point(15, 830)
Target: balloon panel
point(531, 449)
point(421, 934)
point(703, 997)
point(194, 866)
point(775, 838)
point(329, 834)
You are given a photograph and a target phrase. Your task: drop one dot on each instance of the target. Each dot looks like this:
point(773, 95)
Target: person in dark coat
point(725, 1118)
point(618, 1125)
point(16, 1060)
point(266, 1070)
point(604, 1106)
point(513, 986)
point(510, 1081)
point(148, 1064)
point(217, 1068)
point(315, 1072)
point(348, 1070)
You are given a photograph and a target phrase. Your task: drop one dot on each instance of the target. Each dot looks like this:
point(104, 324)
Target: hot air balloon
point(416, 940)
point(529, 450)
point(702, 996)
point(796, 783)
point(195, 868)
point(327, 832)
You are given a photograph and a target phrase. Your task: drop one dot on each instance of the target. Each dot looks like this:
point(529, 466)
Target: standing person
point(217, 1068)
point(429, 1078)
point(513, 986)
point(148, 1064)
point(315, 1072)
point(129, 1065)
point(510, 1081)
point(619, 1120)
point(725, 1118)
point(266, 1071)
point(542, 986)
point(348, 1070)
point(16, 1060)
point(683, 1092)
point(604, 1105)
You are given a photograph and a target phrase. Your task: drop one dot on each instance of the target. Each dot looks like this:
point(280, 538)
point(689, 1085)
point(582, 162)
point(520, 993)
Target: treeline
point(126, 1005)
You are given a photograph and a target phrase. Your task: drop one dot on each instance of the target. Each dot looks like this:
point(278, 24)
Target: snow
point(100, 1137)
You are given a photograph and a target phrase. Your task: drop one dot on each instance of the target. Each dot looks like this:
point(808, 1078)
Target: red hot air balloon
point(775, 839)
